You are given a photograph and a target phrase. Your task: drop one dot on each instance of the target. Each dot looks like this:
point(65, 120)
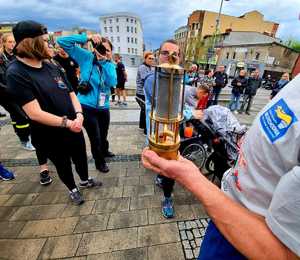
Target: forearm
point(45, 118)
point(245, 230)
point(67, 42)
point(75, 102)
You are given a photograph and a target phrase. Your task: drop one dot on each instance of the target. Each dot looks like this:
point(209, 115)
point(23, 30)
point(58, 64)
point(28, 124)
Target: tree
point(294, 44)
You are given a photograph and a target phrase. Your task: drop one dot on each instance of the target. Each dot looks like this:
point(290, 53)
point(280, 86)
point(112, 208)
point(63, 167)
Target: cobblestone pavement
point(121, 220)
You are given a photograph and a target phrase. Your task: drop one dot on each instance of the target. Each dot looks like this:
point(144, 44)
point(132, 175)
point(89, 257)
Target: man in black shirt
point(70, 66)
point(122, 78)
point(221, 80)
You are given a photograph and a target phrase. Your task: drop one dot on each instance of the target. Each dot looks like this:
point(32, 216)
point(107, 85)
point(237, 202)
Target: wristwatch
point(64, 122)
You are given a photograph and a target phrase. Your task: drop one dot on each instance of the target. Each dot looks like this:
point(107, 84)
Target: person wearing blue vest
point(98, 75)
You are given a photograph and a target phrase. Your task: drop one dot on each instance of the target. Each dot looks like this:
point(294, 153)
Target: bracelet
point(78, 112)
point(64, 122)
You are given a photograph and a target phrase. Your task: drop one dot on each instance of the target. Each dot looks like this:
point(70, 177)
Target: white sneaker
point(28, 146)
point(236, 112)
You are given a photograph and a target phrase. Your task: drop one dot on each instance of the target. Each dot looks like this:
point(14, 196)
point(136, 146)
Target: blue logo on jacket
point(277, 120)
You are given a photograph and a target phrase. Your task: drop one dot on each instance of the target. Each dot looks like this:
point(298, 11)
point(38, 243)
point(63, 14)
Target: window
point(135, 51)
point(110, 20)
point(128, 39)
point(118, 28)
point(117, 20)
point(119, 49)
point(110, 29)
point(246, 55)
point(134, 21)
point(132, 50)
point(131, 20)
point(112, 39)
point(127, 20)
point(118, 38)
point(227, 55)
point(135, 30)
point(233, 56)
point(105, 29)
point(131, 40)
point(135, 40)
point(104, 21)
point(257, 54)
point(132, 61)
point(131, 29)
point(127, 28)
point(128, 50)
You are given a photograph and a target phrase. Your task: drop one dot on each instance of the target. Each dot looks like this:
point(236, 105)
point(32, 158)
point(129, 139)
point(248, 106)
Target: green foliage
point(294, 44)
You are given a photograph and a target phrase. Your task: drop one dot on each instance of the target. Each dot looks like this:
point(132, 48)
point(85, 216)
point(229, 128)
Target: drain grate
point(191, 236)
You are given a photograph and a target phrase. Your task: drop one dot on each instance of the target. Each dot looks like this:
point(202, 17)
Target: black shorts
point(121, 85)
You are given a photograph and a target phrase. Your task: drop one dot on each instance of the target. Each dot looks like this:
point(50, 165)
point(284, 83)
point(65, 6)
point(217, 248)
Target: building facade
point(180, 35)
point(252, 50)
point(203, 23)
point(6, 27)
point(125, 31)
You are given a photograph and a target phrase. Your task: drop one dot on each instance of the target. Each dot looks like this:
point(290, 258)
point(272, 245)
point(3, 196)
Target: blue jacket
point(101, 82)
point(148, 85)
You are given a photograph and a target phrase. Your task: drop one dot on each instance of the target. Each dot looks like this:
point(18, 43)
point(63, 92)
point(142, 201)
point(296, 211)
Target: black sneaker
point(102, 167)
point(76, 197)
point(248, 113)
point(109, 154)
point(45, 178)
point(90, 183)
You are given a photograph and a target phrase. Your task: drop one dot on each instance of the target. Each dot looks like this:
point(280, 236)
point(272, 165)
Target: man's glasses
point(167, 53)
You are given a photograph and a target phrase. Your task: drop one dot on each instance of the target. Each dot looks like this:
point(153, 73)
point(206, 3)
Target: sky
point(159, 18)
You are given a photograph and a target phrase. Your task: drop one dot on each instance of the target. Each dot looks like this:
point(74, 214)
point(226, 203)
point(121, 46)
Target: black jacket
point(253, 85)
point(5, 59)
point(239, 89)
point(221, 79)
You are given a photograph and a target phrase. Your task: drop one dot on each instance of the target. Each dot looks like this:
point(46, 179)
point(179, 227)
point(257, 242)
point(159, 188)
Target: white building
point(125, 32)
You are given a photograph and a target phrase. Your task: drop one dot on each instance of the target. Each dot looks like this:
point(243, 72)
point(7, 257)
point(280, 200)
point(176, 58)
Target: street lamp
point(217, 25)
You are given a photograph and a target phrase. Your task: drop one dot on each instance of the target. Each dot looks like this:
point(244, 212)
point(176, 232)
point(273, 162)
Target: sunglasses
point(150, 58)
point(167, 53)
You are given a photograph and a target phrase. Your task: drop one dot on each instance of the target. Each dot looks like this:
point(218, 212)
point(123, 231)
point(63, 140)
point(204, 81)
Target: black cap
point(28, 29)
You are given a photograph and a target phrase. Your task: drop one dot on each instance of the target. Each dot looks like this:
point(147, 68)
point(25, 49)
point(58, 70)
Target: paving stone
point(138, 191)
point(181, 213)
point(74, 210)
point(4, 199)
point(128, 219)
point(198, 210)
point(147, 179)
point(38, 212)
point(145, 202)
point(196, 252)
point(23, 249)
point(7, 212)
point(158, 234)
point(193, 224)
point(186, 244)
point(111, 205)
point(6, 187)
point(110, 182)
point(181, 225)
point(108, 241)
point(188, 225)
point(165, 252)
point(51, 198)
point(59, 247)
point(103, 193)
point(91, 223)
point(129, 181)
point(198, 223)
point(189, 254)
point(50, 227)
point(10, 229)
point(189, 235)
point(183, 235)
point(130, 254)
point(29, 187)
point(196, 233)
point(193, 244)
point(21, 199)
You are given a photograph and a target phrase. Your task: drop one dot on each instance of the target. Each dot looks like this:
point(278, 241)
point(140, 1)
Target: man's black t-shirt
point(120, 68)
point(70, 66)
point(47, 85)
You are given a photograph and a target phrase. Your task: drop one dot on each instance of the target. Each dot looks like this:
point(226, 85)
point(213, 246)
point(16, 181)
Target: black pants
point(168, 186)
point(113, 95)
point(247, 100)
point(41, 155)
point(19, 120)
point(96, 124)
point(142, 122)
point(62, 146)
point(216, 93)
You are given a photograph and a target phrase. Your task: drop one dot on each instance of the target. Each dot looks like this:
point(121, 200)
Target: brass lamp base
point(166, 152)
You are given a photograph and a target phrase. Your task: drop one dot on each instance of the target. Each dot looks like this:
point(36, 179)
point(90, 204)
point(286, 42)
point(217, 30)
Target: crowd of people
point(60, 89)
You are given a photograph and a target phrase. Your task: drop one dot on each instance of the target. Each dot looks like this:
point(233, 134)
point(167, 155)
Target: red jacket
point(202, 103)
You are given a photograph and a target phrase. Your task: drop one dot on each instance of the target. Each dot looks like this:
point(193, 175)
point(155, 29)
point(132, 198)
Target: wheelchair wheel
point(195, 153)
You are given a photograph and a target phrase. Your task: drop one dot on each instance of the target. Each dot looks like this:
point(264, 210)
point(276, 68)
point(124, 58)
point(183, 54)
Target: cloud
point(160, 18)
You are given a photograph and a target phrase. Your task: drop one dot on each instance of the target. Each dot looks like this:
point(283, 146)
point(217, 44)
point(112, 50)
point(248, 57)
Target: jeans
point(235, 101)
point(96, 124)
point(216, 93)
point(142, 122)
point(247, 99)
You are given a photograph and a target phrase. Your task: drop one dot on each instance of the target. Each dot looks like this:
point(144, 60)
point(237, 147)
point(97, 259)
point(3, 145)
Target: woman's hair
point(204, 87)
point(32, 48)
point(4, 39)
point(147, 54)
point(109, 42)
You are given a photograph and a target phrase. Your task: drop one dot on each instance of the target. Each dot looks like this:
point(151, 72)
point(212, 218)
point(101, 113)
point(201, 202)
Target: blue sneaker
point(5, 174)
point(167, 208)
point(158, 181)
